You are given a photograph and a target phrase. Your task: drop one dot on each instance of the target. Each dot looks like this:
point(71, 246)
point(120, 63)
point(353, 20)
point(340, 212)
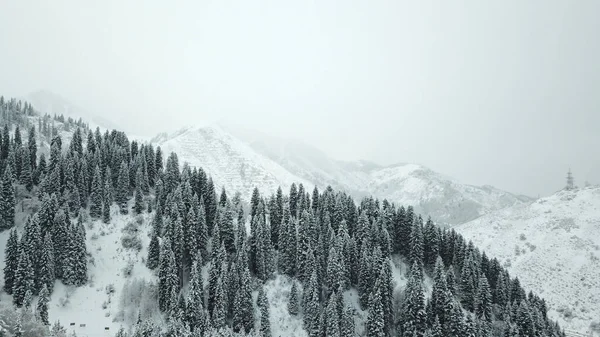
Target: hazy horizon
point(498, 93)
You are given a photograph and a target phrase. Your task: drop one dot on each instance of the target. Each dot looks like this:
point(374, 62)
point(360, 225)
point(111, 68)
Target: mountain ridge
point(445, 199)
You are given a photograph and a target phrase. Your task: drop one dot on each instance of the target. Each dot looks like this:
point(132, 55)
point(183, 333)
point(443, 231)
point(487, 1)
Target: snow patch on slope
point(553, 246)
point(231, 163)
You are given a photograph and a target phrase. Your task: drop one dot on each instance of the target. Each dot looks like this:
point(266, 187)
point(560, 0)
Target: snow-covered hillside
point(553, 246)
point(51, 103)
point(116, 275)
point(230, 162)
point(240, 159)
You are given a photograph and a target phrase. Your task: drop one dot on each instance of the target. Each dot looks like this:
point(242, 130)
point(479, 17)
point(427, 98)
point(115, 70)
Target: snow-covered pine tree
point(96, 195)
point(483, 300)
point(431, 242)
point(243, 311)
point(24, 278)
point(202, 230)
point(7, 202)
point(26, 176)
point(153, 259)
point(294, 300)
point(210, 205)
point(195, 296)
point(166, 276)
point(107, 198)
point(347, 323)
point(32, 243)
point(414, 320)
point(265, 320)
point(138, 205)
point(332, 320)
point(32, 147)
point(312, 306)
point(468, 283)
point(47, 275)
point(122, 192)
point(226, 218)
point(80, 266)
point(11, 261)
point(293, 200)
point(42, 306)
point(375, 325)
point(219, 311)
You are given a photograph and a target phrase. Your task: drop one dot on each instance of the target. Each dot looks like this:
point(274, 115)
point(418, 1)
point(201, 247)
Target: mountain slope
point(231, 163)
point(51, 103)
point(553, 246)
point(445, 199)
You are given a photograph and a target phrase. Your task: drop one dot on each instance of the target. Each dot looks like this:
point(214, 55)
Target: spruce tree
point(347, 323)
point(202, 230)
point(32, 146)
point(153, 252)
point(265, 320)
point(7, 204)
point(107, 199)
point(166, 277)
point(47, 274)
point(122, 192)
point(138, 205)
point(294, 301)
point(96, 195)
point(375, 320)
point(11, 261)
point(483, 300)
point(42, 306)
point(243, 317)
point(332, 318)
point(219, 311)
point(24, 279)
point(414, 317)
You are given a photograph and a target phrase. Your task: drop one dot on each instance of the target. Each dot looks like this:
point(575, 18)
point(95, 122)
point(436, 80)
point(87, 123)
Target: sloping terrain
point(231, 163)
point(553, 246)
point(445, 199)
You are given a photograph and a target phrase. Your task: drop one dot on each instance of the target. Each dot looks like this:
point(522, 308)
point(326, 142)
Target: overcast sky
point(490, 92)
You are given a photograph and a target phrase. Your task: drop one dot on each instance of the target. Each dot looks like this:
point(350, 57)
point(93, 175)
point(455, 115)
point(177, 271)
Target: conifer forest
point(212, 251)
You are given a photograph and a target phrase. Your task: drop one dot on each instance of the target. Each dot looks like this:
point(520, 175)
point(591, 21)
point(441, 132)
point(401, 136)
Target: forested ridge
point(323, 240)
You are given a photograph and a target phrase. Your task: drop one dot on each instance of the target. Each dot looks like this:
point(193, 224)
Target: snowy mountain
point(553, 246)
point(239, 159)
point(231, 163)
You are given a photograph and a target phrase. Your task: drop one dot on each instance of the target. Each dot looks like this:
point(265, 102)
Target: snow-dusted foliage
point(305, 263)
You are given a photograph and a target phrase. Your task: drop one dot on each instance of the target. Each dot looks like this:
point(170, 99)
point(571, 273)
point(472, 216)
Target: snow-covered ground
point(92, 305)
point(553, 246)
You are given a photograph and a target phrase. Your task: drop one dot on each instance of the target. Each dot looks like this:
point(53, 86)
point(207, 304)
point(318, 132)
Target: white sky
point(491, 92)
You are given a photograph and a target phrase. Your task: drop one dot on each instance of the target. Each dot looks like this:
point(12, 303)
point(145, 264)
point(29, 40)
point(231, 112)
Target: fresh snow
point(240, 159)
point(106, 261)
point(231, 163)
point(553, 246)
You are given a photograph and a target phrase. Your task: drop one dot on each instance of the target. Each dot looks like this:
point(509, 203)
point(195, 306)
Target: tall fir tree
point(265, 320)
point(47, 274)
point(153, 252)
point(24, 278)
point(294, 301)
point(122, 192)
point(42, 306)
point(11, 261)
point(96, 195)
